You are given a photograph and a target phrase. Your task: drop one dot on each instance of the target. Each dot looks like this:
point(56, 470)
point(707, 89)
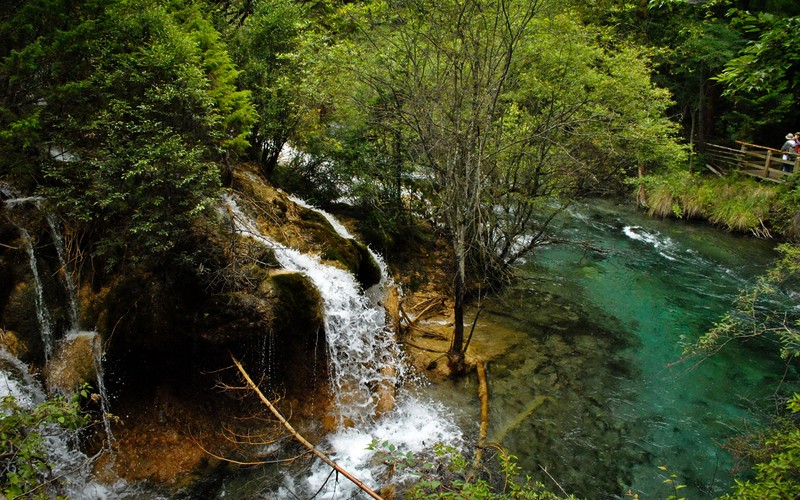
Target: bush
point(24, 467)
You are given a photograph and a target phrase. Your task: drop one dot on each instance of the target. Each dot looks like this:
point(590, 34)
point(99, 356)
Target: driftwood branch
point(431, 303)
point(298, 436)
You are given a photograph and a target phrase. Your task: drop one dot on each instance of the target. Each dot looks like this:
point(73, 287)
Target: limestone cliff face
point(168, 335)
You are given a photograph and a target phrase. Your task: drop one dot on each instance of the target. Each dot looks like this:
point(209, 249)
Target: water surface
point(595, 391)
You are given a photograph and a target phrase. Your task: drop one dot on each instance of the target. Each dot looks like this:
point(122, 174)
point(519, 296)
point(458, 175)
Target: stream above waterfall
point(592, 388)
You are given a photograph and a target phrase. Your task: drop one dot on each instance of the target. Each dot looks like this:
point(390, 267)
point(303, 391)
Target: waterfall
point(358, 342)
point(337, 226)
point(359, 347)
point(42, 313)
point(68, 462)
point(58, 242)
point(344, 233)
point(16, 381)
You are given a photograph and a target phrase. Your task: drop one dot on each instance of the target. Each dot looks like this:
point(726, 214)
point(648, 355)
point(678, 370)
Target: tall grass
point(736, 203)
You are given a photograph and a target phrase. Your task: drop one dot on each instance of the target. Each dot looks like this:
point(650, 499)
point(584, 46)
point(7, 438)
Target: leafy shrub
point(24, 467)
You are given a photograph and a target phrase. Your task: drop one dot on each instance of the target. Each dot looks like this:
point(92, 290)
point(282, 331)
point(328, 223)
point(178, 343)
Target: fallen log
point(521, 417)
point(299, 437)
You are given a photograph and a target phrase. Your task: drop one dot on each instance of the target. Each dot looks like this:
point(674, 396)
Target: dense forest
point(475, 120)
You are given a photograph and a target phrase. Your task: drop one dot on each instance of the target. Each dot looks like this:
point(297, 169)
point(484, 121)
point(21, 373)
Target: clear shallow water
point(594, 391)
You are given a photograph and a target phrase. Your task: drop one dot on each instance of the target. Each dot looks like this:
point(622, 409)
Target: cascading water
point(68, 462)
point(16, 381)
point(360, 347)
point(378, 291)
point(61, 446)
point(42, 313)
point(358, 343)
point(58, 241)
point(337, 226)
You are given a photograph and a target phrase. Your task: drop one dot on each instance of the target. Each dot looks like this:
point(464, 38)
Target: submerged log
point(483, 395)
point(522, 417)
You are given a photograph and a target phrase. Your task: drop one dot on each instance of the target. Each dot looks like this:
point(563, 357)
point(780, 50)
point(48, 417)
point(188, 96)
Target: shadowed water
point(594, 391)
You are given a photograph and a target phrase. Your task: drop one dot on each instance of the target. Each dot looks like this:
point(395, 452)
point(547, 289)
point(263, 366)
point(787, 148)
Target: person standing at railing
point(789, 151)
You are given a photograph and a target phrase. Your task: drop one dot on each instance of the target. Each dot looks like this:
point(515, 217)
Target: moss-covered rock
point(305, 229)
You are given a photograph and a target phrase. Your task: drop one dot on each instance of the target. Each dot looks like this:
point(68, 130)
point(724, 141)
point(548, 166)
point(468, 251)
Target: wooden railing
point(751, 159)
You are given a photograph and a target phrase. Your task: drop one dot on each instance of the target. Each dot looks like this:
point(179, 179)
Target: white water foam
point(17, 382)
point(359, 348)
point(663, 244)
point(61, 446)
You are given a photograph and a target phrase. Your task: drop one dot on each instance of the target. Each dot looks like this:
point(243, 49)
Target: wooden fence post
point(766, 164)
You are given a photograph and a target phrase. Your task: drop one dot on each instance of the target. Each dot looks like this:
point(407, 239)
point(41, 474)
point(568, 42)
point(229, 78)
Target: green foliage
point(24, 468)
point(456, 478)
point(451, 475)
point(673, 482)
point(269, 48)
point(778, 471)
point(121, 113)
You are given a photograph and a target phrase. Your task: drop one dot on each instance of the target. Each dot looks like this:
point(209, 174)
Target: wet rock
point(73, 363)
point(12, 344)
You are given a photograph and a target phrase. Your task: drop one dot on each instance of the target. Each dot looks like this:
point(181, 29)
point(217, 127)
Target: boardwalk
point(751, 159)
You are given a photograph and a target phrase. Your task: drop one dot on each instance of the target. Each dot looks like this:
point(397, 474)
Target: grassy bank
point(736, 203)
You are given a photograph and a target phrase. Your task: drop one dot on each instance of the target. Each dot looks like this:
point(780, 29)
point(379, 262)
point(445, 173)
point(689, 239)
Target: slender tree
point(504, 106)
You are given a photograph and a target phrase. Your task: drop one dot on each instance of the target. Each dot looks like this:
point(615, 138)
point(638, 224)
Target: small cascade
point(42, 313)
point(82, 352)
point(99, 357)
point(45, 322)
point(58, 241)
point(338, 226)
point(69, 463)
point(344, 233)
point(16, 381)
point(61, 365)
point(360, 350)
point(358, 342)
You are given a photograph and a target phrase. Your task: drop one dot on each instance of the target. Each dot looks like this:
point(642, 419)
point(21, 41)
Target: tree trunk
point(269, 160)
point(455, 356)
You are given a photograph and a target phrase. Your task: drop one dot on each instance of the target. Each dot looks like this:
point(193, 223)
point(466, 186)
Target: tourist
point(789, 151)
